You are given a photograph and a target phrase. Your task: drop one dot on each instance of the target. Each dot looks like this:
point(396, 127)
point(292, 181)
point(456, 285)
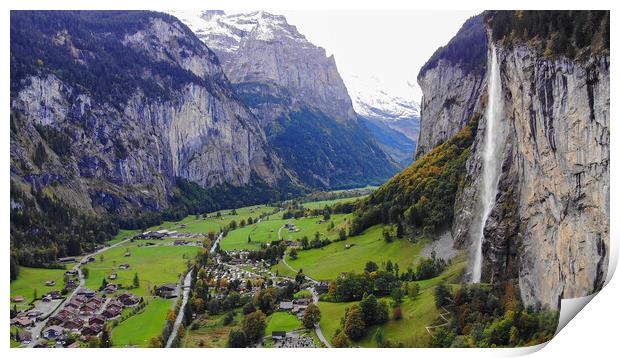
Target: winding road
point(315, 295)
point(177, 322)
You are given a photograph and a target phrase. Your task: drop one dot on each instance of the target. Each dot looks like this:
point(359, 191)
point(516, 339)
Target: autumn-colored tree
point(312, 316)
point(254, 326)
point(354, 325)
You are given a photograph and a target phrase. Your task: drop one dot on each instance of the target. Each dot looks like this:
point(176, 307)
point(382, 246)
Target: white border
point(592, 332)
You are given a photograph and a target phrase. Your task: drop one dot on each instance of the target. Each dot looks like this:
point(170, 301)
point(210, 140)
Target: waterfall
point(491, 157)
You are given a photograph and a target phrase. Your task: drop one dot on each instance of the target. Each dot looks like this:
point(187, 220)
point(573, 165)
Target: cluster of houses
point(297, 306)
point(291, 227)
point(86, 313)
point(163, 233)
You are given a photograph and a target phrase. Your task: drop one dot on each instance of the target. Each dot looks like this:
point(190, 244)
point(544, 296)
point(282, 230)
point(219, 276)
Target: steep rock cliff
point(141, 102)
point(548, 231)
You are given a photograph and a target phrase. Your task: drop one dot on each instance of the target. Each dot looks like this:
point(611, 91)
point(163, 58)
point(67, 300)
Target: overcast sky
point(390, 45)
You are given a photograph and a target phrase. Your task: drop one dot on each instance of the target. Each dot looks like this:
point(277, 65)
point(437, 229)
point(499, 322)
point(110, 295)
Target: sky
point(389, 45)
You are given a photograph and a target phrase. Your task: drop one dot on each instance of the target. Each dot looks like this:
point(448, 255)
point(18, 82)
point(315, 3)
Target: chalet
point(91, 258)
point(80, 298)
point(124, 266)
point(86, 292)
point(322, 287)
point(89, 308)
point(55, 295)
point(278, 335)
point(22, 321)
point(111, 288)
point(73, 324)
point(33, 313)
point(17, 299)
point(111, 312)
point(180, 242)
point(50, 283)
point(128, 299)
point(98, 319)
point(92, 330)
point(52, 332)
point(46, 298)
point(301, 301)
point(71, 284)
point(71, 273)
point(112, 277)
point(167, 291)
point(127, 254)
point(97, 300)
point(41, 343)
point(65, 260)
point(24, 337)
point(61, 317)
point(73, 304)
point(115, 304)
point(286, 305)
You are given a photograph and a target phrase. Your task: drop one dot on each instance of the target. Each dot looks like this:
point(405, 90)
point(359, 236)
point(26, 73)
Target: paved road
point(36, 330)
point(217, 241)
point(315, 296)
point(317, 327)
point(177, 322)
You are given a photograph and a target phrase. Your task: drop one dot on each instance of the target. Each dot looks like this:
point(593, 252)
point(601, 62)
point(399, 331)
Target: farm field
point(265, 231)
point(282, 321)
point(137, 330)
point(210, 331)
point(308, 226)
point(31, 279)
point(155, 265)
point(323, 203)
point(328, 262)
point(417, 312)
point(213, 223)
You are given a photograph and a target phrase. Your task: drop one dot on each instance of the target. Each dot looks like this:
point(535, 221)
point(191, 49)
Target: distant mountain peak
point(371, 99)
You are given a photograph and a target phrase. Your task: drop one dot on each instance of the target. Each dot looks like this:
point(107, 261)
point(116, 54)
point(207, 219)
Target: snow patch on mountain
point(371, 99)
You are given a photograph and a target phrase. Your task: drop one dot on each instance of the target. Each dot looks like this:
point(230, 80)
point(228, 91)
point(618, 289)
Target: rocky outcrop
point(452, 82)
point(125, 153)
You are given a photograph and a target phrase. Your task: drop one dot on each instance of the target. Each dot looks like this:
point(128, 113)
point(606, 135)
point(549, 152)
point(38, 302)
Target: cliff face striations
point(110, 131)
point(548, 230)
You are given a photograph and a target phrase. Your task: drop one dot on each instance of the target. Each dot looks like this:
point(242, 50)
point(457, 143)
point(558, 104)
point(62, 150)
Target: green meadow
point(31, 279)
point(328, 262)
point(282, 321)
point(417, 313)
point(137, 330)
point(209, 331)
point(155, 265)
point(323, 203)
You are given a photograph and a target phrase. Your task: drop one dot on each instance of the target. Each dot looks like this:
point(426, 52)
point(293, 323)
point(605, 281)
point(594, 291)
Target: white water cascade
point(491, 157)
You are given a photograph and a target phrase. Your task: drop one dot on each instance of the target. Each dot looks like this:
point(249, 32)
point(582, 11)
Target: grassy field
point(329, 261)
point(417, 312)
point(137, 330)
point(265, 231)
point(210, 331)
point(282, 321)
point(213, 223)
point(122, 235)
point(31, 279)
point(155, 265)
point(323, 203)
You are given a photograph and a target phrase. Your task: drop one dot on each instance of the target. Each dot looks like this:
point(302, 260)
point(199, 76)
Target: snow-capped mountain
point(372, 99)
